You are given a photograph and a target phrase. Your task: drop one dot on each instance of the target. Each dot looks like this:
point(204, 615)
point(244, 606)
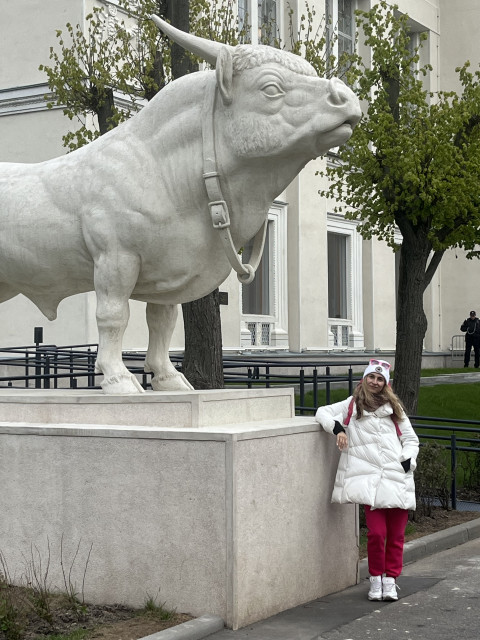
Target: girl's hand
point(342, 440)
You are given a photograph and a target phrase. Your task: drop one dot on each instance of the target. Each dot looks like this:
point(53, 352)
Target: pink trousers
point(385, 538)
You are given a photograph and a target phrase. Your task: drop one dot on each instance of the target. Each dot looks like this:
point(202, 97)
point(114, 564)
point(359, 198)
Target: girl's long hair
point(368, 401)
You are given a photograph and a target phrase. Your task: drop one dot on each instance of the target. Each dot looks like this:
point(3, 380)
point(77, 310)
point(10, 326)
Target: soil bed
point(85, 622)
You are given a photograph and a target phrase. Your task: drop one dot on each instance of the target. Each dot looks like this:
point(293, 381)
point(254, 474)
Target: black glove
point(406, 464)
point(338, 428)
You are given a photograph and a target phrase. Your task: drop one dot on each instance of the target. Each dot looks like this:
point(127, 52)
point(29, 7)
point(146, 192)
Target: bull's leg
point(161, 320)
point(113, 286)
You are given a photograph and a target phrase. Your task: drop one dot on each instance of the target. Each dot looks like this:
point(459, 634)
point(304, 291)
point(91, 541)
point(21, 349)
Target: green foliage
point(11, 622)
point(432, 478)
point(36, 572)
point(96, 65)
point(414, 161)
point(156, 609)
point(468, 467)
point(218, 21)
point(83, 75)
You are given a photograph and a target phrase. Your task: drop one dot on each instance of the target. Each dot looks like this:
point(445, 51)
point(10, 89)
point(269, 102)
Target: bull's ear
point(224, 73)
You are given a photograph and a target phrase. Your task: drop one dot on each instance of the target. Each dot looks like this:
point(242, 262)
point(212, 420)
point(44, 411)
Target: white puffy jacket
point(369, 470)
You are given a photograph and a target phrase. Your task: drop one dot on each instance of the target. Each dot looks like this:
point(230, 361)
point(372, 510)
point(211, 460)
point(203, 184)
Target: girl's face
point(375, 382)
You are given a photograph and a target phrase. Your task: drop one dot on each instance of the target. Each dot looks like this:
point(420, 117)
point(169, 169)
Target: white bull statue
point(157, 209)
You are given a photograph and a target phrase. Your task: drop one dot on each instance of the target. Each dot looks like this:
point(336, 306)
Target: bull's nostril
point(336, 97)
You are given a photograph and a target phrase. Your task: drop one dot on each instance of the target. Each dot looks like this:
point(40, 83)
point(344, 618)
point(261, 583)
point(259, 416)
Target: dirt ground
point(107, 622)
point(117, 622)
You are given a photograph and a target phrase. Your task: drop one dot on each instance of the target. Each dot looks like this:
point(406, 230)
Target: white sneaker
point(375, 592)
point(389, 589)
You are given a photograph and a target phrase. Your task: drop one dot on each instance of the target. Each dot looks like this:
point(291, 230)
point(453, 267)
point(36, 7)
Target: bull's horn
point(205, 49)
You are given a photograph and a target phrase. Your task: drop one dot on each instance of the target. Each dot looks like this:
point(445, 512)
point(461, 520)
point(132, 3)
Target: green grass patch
point(459, 401)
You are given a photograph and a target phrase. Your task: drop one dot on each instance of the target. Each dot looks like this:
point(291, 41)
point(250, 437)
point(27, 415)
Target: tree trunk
point(411, 321)
point(202, 362)
point(104, 110)
point(178, 13)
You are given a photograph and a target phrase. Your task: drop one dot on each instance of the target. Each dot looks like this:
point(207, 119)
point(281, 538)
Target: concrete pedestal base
point(230, 519)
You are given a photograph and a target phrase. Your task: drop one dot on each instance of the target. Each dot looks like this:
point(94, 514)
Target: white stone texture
point(183, 409)
point(129, 215)
point(232, 520)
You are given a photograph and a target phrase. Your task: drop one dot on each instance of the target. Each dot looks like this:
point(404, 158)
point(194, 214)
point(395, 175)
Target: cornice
point(17, 100)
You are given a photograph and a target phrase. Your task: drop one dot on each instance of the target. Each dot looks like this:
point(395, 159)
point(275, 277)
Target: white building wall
point(379, 293)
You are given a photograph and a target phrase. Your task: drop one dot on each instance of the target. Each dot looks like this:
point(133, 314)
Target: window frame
point(251, 11)
point(353, 272)
point(278, 286)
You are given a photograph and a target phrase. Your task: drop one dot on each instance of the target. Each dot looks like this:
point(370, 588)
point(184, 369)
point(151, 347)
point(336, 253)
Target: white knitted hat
point(378, 366)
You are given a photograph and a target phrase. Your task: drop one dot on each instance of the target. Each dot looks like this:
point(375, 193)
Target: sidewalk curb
point(433, 543)
point(195, 629)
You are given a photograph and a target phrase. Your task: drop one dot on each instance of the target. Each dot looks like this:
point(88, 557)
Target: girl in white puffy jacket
point(379, 449)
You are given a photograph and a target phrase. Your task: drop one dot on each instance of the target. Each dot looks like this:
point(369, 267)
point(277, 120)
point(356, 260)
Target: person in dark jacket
point(471, 327)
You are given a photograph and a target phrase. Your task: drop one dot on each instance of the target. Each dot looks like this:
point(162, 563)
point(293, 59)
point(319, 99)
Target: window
point(265, 15)
point(340, 21)
point(345, 294)
point(264, 301)
point(243, 14)
point(337, 276)
point(256, 297)
point(267, 21)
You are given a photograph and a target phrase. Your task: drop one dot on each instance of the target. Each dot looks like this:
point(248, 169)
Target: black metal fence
point(73, 366)
point(455, 436)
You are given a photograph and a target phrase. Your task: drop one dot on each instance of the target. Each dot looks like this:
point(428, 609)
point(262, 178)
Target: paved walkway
point(439, 599)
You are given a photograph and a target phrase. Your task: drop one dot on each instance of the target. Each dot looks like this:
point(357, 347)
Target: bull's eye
point(273, 90)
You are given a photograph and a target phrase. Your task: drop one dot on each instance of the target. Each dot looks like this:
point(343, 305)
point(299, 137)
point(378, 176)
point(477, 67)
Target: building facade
point(320, 287)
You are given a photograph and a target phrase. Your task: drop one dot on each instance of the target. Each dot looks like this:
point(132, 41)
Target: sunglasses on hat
point(382, 363)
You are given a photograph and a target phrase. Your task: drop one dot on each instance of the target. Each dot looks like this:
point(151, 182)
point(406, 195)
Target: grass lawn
point(458, 401)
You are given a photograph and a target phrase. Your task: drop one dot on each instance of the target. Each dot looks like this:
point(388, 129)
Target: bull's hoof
point(173, 382)
point(122, 383)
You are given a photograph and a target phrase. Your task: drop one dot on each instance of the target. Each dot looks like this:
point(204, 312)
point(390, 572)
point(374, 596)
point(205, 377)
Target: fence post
point(38, 339)
point(91, 368)
point(327, 386)
point(315, 388)
point(27, 369)
point(302, 391)
point(453, 445)
point(46, 373)
point(350, 381)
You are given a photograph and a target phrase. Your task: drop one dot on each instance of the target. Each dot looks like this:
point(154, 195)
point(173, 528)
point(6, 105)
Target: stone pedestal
point(218, 501)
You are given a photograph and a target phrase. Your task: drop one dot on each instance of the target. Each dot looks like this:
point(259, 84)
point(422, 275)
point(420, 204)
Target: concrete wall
point(233, 520)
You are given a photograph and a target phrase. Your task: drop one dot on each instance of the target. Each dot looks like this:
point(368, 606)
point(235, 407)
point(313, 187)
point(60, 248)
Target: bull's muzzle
point(341, 96)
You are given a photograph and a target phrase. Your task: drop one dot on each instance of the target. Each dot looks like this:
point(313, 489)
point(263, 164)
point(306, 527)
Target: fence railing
point(73, 366)
point(455, 436)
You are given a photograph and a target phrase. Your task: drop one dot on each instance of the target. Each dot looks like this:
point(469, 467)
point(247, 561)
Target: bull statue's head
point(274, 103)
